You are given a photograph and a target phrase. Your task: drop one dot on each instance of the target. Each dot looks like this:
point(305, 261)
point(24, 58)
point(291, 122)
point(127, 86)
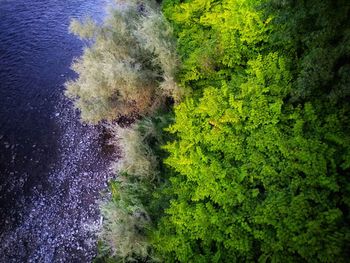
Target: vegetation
point(124, 222)
point(254, 163)
point(134, 204)
point(262, 156)
point(259, 179)
point(128, 68)
point(262, 152)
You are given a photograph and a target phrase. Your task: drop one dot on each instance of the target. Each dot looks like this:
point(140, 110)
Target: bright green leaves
point(258, 159)
point(214, 35)
point(262, 166)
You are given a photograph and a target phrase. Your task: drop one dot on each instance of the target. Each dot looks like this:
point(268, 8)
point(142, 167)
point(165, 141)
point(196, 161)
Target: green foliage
point(258, 178)
point(216, 37)
point(257, 161)
point(317, 34)
point(262, 149)
point(128, 68)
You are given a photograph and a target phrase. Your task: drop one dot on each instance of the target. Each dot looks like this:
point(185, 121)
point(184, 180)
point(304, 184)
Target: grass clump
point(137, 157)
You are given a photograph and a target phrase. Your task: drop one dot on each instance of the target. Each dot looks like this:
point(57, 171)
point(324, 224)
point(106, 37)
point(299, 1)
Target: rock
point(60, 205)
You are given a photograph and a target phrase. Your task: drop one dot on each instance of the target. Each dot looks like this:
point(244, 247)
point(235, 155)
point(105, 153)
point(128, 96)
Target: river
point(52, 167)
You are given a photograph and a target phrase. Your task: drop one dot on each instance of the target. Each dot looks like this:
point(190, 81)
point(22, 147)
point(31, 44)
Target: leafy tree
point(262, 150)
point(259, 179)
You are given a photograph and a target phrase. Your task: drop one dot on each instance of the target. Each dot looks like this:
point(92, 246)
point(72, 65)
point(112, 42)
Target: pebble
point(53, 218)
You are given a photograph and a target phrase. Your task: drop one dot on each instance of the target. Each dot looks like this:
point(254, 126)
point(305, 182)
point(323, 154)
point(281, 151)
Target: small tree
point(129, 66)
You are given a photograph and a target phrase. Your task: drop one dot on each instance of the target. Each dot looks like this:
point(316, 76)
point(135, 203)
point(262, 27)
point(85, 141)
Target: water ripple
point(35, 55)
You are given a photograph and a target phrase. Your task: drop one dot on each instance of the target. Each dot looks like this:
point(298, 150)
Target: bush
point(137, 158)
point(129, 66)
point(125, 222)
point(130, 212)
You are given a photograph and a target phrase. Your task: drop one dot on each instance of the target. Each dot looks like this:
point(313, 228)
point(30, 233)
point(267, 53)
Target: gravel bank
point(58, 221)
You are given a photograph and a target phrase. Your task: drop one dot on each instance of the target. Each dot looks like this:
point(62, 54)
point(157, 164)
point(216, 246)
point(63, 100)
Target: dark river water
point(52, 168)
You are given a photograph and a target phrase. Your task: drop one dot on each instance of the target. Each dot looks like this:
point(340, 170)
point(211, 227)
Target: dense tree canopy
point(262, 148)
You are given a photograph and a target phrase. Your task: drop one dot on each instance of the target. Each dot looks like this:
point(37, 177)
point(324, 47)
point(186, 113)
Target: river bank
point(59, 222)
point(52, 168)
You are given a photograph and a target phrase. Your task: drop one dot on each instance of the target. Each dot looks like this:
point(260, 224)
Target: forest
point(239, 149)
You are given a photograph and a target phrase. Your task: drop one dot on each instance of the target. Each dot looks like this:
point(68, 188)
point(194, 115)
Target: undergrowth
point(136, 202)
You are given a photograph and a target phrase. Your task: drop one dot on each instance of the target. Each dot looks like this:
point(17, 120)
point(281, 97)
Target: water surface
point(51, 166)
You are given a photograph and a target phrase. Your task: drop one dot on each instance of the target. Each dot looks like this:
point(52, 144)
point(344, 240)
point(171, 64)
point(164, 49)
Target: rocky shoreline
point(59, 221)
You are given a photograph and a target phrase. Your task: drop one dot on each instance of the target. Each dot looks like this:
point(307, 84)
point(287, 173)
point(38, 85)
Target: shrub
point(129, 213)
point(125, 222)
point(137, 157)
point(129, 66)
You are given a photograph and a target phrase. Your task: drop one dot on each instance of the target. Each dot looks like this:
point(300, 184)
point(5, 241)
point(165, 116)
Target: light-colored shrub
point(128, 65)
point(125, 221)
point(137, 158)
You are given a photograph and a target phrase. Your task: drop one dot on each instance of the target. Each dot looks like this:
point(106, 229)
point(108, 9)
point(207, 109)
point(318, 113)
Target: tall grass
point(128, 214)
point(126, 219)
